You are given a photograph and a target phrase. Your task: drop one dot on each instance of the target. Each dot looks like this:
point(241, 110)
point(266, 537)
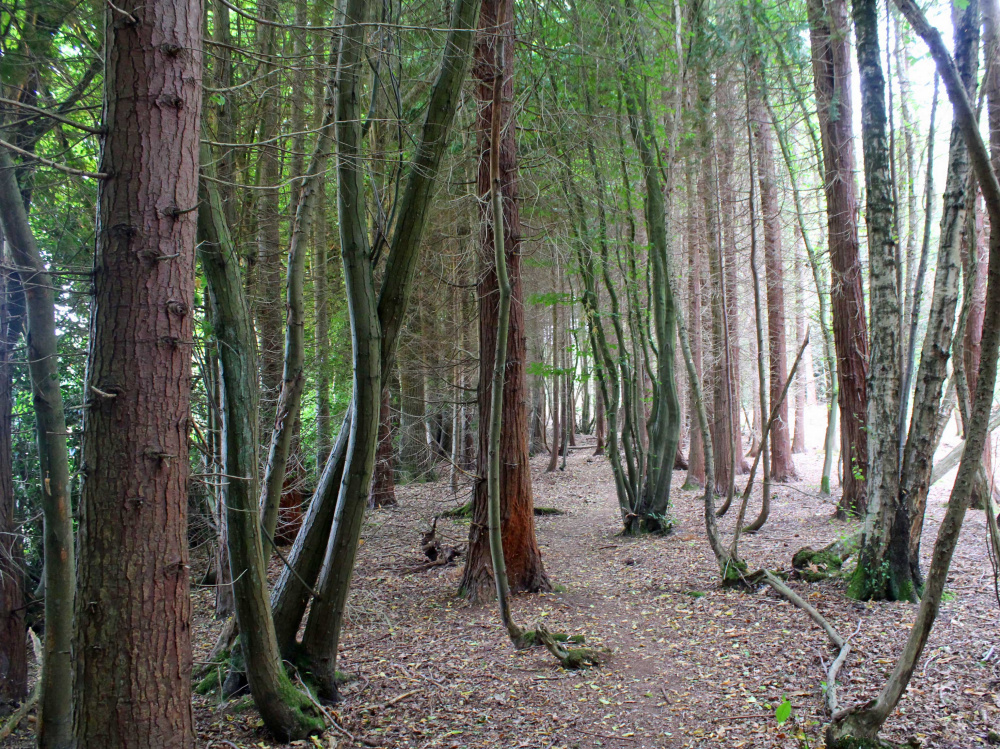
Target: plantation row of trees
point(263, 261)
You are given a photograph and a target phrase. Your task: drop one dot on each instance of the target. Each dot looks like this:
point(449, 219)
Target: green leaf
point(783, 712)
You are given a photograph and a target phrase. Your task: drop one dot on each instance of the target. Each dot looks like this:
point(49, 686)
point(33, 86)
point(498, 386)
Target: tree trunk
point(55, 723)
point(830, 36)
point(266, 261)
point(556, 400)
point(925, 422)
point(524, 561)
point(286, 713)
point(133, 618)
point(696, 453)
point(883, 570)
point(804, 372)
point(13, 637)
point(782, 464)
point(383, 493)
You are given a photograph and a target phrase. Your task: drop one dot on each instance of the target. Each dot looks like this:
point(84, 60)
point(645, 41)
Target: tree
point(132, 651)
point(525, 570)
point(883, 569)
point(782, 464)
point(830, 36)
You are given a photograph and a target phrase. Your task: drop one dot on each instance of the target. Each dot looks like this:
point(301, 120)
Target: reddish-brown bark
point(696, 446)
point(133, 649)
point(830, 34)
point(523, 558)
point(383, 491)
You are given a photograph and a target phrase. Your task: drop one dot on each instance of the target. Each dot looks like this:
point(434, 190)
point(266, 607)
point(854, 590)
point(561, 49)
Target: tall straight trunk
point(782, 464)
point(13, 637)
point(804, 372)
point(556, 400)
point(286, 713)
point(55, 724)
point(266, 260)
point(524, 560)
point(307, 556)
point(133, 613)
point(600, 429)
point(830, 37)
point(414, 454)
point(925, 424)
point(696, 453)
point(321, 273)
point(902, 55)
point(728, 202)
point(883, 570)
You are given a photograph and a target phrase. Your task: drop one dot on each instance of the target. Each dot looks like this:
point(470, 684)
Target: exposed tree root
point(841, 643)
point(569, 658)
point(814, 565)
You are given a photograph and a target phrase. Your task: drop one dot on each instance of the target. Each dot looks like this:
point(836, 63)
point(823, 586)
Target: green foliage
point(783, 712)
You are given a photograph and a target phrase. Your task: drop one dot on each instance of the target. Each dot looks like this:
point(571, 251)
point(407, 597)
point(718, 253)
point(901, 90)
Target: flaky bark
point(132, 652)
point(524, 561)
point(830, 36)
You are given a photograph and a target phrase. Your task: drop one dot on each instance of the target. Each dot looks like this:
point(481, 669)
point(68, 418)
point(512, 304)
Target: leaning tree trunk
point(285, 711)
point(291, 594)
point(524, 560)
point(859, 726)
point(883, 569)
point(925, 423)
point(55, 723)
point(133, 614)
point(830, 36)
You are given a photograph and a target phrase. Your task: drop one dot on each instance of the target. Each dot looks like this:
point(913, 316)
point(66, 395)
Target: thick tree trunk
point(55, 729)
point(830, 35)
point(132, 653)
point(782, 464)
point(883, 570)
point(524, 561)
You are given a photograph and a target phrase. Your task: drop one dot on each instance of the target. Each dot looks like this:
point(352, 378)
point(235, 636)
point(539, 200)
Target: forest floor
point(692, 665)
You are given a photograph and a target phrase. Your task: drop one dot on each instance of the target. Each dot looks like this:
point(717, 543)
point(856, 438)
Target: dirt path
point(692, 665)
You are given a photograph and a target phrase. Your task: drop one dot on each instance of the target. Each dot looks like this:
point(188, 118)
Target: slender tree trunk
point(883, 570)
point(782, 464)
point(291, 594)
point(286, 713)
point(556, 401)
point(132, 652)
point(13, 637)
point(383, 493)
point(925, 423)
point(523, 558)
point(830, 35)
point(321, 275)
point(55, 723)
point(696, 453)
point(853, 727)
point(804, 372)
point(266, 262)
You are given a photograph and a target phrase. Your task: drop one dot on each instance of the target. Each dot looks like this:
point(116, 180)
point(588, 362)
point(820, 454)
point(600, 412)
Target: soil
point(691, 664)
